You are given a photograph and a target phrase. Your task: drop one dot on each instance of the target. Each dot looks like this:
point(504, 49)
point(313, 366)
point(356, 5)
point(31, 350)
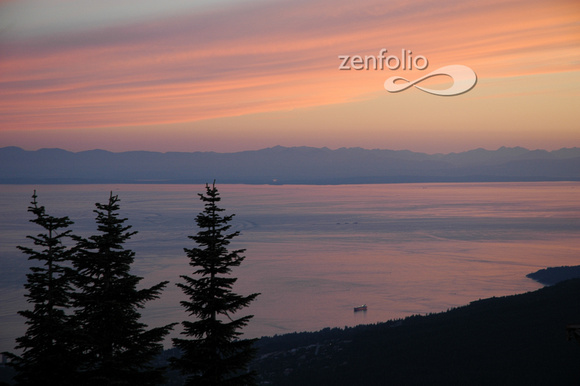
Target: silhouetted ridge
point(512, 340)
point(554, 275)
point(288, 165)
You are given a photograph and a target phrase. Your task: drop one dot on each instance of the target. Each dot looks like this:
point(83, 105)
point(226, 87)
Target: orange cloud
point(267, 57)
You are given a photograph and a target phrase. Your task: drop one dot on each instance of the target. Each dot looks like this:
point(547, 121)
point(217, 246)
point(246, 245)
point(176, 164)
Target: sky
point(248, 74)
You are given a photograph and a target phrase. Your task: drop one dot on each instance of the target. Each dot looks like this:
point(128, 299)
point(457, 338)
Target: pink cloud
point(265, 57)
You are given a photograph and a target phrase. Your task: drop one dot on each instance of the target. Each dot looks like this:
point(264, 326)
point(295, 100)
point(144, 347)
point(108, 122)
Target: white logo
point(464, 78)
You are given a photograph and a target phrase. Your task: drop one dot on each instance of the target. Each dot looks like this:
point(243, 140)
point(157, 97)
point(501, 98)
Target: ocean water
point(315, 252)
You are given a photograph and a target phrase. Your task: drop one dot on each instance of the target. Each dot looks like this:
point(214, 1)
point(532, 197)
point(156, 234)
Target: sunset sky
point(234, 75)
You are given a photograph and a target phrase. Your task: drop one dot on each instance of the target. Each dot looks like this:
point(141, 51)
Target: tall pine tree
point(47, 342)
point(114, 347)
point(214, 354)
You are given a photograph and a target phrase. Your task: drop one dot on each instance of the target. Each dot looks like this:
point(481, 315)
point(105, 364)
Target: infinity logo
point(463, 77)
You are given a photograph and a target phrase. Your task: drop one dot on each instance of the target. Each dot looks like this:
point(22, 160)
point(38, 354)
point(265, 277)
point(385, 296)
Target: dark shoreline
point(555, 275)
point(516, 339)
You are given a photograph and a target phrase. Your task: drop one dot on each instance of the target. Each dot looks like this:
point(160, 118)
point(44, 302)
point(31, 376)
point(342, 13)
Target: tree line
point(84, 326)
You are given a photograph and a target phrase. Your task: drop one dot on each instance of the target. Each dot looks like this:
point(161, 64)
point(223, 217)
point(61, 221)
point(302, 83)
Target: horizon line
point(287, 147)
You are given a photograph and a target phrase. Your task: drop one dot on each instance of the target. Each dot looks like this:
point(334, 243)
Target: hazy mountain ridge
point(288, 165)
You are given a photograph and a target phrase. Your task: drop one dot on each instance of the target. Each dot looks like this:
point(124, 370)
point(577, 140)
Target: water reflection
point(315, 252)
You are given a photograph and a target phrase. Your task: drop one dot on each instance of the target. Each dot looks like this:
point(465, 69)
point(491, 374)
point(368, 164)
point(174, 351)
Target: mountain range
point(287, 165)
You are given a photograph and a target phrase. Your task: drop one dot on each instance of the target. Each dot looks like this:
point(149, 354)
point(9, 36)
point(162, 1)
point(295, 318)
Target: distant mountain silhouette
point(287, 165)
point(554, 275)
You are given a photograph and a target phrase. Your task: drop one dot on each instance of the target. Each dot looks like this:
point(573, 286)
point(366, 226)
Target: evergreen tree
point(214, 355)
point(46, 343)
point(113, 345)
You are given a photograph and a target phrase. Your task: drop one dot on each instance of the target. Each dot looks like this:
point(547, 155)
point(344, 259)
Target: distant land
point(525, 339)
point(512, 340)
point(287, 165)
point(554, 275)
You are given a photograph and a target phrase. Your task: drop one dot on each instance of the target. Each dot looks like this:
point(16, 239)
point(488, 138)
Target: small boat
point(360, 308)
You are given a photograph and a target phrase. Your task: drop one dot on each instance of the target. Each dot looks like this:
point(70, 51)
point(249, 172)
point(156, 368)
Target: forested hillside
point(513, 340)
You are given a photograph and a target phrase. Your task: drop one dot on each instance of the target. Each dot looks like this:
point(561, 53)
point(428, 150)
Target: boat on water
point(360, 308)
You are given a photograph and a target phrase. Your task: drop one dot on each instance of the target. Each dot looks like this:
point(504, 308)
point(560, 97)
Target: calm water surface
point(315, 252)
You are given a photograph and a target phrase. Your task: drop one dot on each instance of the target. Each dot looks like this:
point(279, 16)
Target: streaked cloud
point(151, 66)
